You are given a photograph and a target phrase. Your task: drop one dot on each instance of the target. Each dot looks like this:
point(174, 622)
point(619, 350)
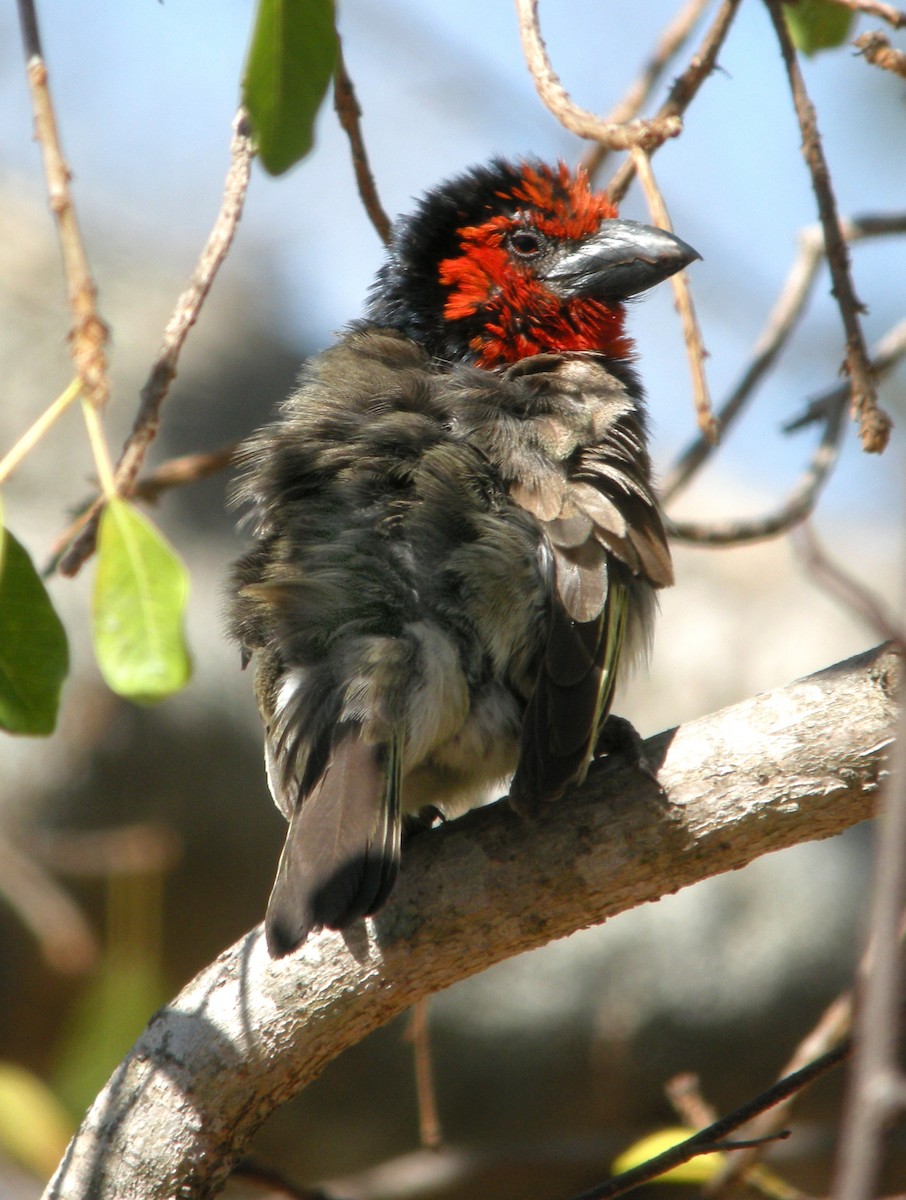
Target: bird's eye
point(526, 243)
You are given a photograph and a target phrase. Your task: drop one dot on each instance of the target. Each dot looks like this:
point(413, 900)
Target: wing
point(606, 552)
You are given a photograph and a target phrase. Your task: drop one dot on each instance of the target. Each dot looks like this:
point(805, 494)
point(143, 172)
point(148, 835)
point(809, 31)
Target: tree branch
point(670, 41)
point(874, 424)
point(349, 113)
point(684, 89)
point(249, 1032)
point(682, 299)
point(184, 316)
point(779, 328)
point(828, 408)
point(581, 122)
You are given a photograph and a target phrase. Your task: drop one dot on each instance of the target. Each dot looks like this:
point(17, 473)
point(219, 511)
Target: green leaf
point(34, 655)
point(696, 1171)
point(290, 63)
point(140, 593)
point(34, 1126)
point(817, 24)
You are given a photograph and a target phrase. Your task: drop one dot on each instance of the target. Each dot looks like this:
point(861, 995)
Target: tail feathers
point(342, 849)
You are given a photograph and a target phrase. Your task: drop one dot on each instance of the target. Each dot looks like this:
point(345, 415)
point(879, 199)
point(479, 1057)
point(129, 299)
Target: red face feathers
point(512, 260)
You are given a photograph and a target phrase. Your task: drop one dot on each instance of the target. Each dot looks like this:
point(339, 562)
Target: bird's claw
point(619, 739)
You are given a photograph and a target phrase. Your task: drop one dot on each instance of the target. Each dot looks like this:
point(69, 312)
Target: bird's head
point(515, 259)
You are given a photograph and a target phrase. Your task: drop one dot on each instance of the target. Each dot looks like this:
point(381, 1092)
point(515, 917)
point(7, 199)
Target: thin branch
point(876, 8)
point(682, 295)
point(669, 43)
point(27, 442)
point(780, 325)
point(419, 1034)
point(798, 505)
point(829, 408)
point(184, 316)
point(858, 599)
point(349, 112)
point(140, 849)
point(249, 1032)
point(65, 937)
point(712, 1136)
point(833, 1027)
point(174, 472)
point(88, 336)
point(579, 120)
point(874, 424)
point(685, 1096)
point(877, 1085)
point(684, 88)
point(181, 471)
point(876, 48)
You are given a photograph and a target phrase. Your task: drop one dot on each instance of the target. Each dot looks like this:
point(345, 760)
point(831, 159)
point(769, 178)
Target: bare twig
point(780, 324)
point(713, 1136)
point(178, 472)
point(63, 933)
point(684, 88)
point(796, 508)
point(418, 1033)
point(833, 1026)
point(874, 424)
point(684, 1093)
point(138, 849)
point(828, 407)
point(669, 43)
point(183, 318)
point(858, 598)
point(579, 120)
point(174, 472)
point(682, 295)
point(890, 350)
point(88, 336)
point(876, 48)
point(876, 8)
point(27, 442)
point(877, 1085)
point(778, 329)
point(349, 112)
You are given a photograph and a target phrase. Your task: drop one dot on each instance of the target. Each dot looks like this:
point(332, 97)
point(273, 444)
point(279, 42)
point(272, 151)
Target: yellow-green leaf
point(291, 60)
point(696, 1171)
point(34, 654)
point(817, 24)
point(140, 593)
point(34, 1126)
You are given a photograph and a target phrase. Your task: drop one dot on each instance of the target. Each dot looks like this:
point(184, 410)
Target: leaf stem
point(100, 450)
point(36, 431)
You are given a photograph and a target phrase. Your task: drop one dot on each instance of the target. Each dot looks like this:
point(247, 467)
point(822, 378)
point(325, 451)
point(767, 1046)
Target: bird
point(457, 541)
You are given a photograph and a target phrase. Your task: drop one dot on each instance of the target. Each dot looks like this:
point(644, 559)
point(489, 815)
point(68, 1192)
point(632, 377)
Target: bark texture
point(796, 764)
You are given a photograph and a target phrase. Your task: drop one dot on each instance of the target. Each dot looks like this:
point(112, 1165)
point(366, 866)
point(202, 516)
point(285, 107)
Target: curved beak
point(620, 260)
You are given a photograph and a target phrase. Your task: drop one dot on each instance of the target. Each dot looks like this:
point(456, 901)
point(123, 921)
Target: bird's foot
point(624, 746)
point(427, 817)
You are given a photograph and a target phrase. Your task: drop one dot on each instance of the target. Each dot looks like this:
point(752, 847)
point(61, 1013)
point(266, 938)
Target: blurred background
point(137, 843)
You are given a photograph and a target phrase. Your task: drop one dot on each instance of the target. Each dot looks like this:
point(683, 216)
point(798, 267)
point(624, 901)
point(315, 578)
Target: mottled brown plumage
point(454, 547)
